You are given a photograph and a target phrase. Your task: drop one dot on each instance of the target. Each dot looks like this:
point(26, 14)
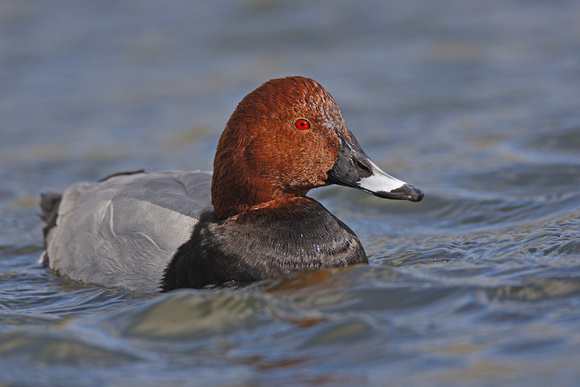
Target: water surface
point(475, 103)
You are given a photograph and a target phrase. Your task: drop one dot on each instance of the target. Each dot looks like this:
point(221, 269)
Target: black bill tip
point(404, 192)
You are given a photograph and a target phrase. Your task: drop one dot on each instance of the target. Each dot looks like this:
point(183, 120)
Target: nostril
point(362, 166)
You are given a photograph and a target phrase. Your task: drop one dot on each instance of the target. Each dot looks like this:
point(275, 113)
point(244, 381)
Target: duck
point(249, 220)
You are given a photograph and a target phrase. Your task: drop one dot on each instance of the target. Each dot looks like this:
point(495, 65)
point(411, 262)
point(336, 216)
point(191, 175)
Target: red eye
point(302, 124)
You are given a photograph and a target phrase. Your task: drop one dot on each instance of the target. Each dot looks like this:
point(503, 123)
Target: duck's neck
point(279, 239)
point(232, 196)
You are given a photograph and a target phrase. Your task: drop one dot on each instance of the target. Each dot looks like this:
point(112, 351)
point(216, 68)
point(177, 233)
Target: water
point(475, 103)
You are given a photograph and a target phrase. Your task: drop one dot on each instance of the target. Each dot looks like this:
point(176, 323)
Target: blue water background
point(476, 103)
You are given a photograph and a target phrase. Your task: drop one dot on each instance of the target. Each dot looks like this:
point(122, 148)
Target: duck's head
point(285, 138)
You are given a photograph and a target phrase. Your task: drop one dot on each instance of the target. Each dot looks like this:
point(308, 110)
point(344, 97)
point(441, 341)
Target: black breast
point(263, 243)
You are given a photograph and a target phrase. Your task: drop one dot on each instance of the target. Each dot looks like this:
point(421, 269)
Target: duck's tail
point(49, 204)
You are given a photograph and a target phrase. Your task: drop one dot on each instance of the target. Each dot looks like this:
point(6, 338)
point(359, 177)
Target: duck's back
point(123, 231)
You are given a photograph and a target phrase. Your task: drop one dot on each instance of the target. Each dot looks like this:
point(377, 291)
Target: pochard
point(249, 220)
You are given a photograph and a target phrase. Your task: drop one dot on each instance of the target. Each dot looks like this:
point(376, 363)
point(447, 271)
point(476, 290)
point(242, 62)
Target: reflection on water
point(476, 104)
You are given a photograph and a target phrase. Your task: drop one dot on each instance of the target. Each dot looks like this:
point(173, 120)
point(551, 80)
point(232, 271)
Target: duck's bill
point(353, 168)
